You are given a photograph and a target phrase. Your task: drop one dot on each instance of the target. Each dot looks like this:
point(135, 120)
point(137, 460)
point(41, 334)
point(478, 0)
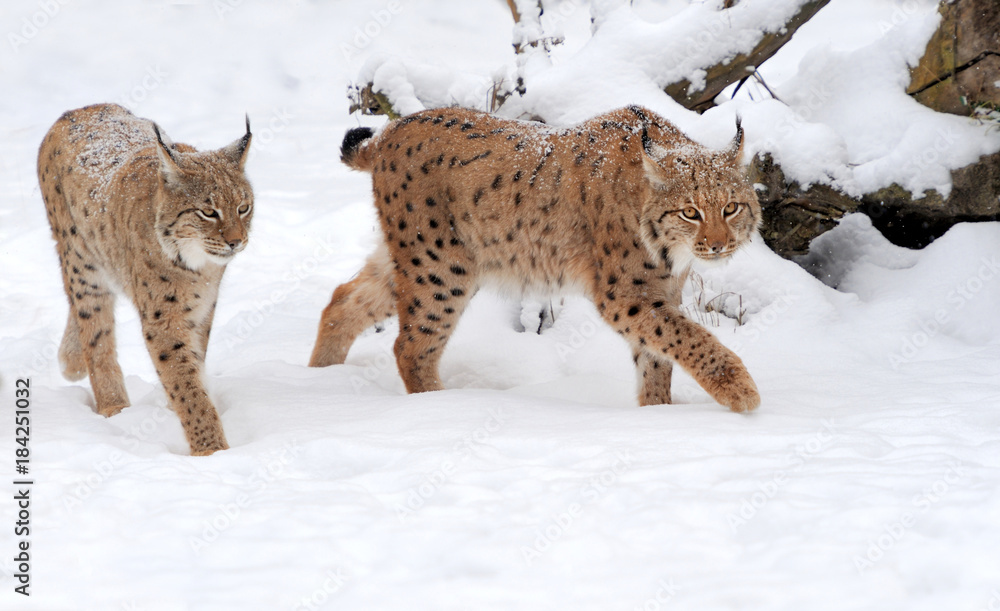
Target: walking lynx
point(133, 213)
point(617, 207)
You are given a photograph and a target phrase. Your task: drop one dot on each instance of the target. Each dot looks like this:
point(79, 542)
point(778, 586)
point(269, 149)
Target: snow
point(869, 478)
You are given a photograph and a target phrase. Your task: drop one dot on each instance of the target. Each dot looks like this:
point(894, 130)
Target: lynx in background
point(132, 212)
point(617, 207)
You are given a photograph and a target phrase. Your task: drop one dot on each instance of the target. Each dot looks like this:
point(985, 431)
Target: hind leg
point(71, 361)
point(356, 305)
point(654, 378)
point(92, 308)
point(432, 296)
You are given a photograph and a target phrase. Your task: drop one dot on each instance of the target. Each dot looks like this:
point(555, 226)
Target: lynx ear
point(168, 156)
point(654, 173)
point(735, 152)
point(238, 151)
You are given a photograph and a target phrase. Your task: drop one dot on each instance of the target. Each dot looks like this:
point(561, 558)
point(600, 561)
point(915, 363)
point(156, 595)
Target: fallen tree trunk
point(739, 68)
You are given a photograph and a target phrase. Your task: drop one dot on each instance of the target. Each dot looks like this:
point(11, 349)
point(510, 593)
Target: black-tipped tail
point(349, 149)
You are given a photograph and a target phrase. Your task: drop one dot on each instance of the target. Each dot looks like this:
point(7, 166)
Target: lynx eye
point(243, 209)
point(208, 214)
point(730, 209)
point(690, 213)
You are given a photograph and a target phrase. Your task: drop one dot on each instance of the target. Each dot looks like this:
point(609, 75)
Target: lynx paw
point(733, 387)
point(208, 444)
point(71, 360)
point(74, 370)
point(110, 393)
point(327, 352)
point(209, 450)
point(110, 410)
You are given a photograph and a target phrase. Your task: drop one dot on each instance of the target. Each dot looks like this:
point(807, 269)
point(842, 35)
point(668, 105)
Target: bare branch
point(735, 69)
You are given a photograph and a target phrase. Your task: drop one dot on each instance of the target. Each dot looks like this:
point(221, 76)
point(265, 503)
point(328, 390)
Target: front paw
point(110, 403)
point(209, 448)
point(732, 386)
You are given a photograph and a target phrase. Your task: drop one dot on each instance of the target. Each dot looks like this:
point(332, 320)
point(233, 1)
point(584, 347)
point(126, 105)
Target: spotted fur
point(617, 207)
point(135, 214)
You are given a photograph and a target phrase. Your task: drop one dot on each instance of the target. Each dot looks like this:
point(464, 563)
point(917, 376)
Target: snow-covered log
point(738, 68)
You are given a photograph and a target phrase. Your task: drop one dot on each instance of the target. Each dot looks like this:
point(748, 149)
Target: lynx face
point(700, 206)
point(204, 207)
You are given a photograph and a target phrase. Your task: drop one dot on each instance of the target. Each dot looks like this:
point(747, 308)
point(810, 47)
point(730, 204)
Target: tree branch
point(726, 73)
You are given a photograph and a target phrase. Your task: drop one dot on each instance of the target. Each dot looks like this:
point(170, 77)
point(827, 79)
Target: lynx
point(618, 206)
point(133, 213)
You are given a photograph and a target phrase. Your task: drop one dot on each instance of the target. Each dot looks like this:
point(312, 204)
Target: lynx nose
point(717, 246)
point(234, 244)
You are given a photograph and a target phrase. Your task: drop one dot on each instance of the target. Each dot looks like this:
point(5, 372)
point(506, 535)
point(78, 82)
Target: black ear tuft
point(352, 139)
point(239, 151)
point(735, 152)
point(167, 155)
point(166, 146)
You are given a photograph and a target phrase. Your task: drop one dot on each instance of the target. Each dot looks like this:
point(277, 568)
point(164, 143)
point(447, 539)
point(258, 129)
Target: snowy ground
point(868, 479)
